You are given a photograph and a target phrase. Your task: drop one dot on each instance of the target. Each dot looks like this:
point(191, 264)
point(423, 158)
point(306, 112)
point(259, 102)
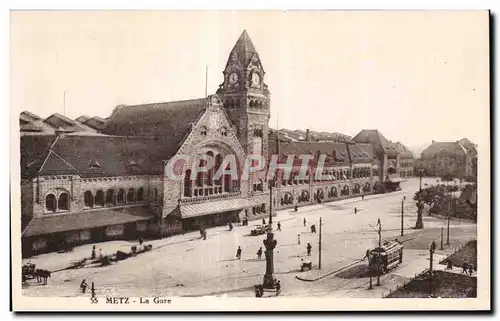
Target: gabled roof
point(82, 119)
point(34, 151)
point(96, 123)
point(470, 146)
point(113, 155)
point(78, 155)
point(373, 136)
point(444, 147)
point(31, 124)
point(403, 151)
point(59, 121)
point(244, 50)
point(171, 121)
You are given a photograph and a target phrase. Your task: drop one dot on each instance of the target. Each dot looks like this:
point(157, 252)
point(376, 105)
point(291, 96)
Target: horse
point(42, 275)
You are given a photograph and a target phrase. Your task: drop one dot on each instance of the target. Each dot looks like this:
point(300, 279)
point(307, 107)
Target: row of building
point(93, 179)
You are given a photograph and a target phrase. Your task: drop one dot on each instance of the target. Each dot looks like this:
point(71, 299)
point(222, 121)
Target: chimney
point(307, 135)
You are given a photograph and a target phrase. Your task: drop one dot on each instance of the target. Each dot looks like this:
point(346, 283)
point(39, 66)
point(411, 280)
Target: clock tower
point(246, 97)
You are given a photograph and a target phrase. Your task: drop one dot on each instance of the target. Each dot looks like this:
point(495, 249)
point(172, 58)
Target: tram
point(389, 255)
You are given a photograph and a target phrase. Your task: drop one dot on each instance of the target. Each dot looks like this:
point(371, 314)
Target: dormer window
point(203, 131)
point(93, 163)
point(223, 131)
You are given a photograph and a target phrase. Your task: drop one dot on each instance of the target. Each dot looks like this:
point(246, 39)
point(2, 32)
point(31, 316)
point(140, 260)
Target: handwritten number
point(94, 300)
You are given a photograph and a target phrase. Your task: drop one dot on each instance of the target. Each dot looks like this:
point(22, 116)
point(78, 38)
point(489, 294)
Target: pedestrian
point(140, 242)
point(449, 266)
point(278, 287)
point(355, 210)
point(464, 267)
point(362, 196)
point(101, 255)
point(279, 226)
point(92, 290)
point(238, 253)
point(309, 248)
point(92, 256)
point(230, 226)
point(296, 208)
point(259, 253)
point(304, 221)
point(471, 270)
point(263, 221)
point(83, 286)
point(298, 238)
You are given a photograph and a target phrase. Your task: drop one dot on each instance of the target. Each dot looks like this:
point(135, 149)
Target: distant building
point(395, 159)
point(458, 159)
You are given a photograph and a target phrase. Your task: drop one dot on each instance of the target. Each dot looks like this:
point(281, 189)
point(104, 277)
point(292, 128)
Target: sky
point(416, 76)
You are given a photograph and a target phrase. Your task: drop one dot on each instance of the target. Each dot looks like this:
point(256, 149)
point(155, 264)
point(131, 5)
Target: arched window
point(99, 198)
point(120, 199)
point(63, 202)
point(50, 203)
point(140, 195)
point(110, 197)
point(199, 175)
point(210, 173)
point(227, 181)
point(187, 183)
point(88, 199)
point(218, 162)
point(131, 195)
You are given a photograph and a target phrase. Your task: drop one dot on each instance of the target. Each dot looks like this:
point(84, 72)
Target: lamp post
point(402, 214)
point(421, 172)
point(379, 256)
point(320, 224)
point(270, 243)
point(431, 252)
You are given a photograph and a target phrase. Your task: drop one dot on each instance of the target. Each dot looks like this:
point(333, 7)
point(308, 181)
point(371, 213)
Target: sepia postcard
point(250, 160)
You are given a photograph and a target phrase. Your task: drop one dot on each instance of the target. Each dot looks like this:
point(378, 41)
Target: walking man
point(298, 238)
point(92, 256)
point(238, 253)
point(355, 210)
point(92, 290)
point(309, 248)
point(263, 221)
point(259, 253)
point(304, 221)
point(279, 226)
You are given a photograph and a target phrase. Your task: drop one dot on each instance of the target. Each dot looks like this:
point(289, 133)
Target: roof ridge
point(165, 102)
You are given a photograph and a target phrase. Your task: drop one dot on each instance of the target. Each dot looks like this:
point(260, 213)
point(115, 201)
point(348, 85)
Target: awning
point(85, 220)
point(396, 180)
point(211, 207)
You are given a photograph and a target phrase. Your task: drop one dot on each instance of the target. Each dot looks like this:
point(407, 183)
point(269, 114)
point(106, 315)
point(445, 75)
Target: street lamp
point(269, 281)
point(402, 213)
point(421, 172)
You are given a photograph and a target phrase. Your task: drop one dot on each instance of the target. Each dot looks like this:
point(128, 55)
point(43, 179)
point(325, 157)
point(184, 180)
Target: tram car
point(384, 258)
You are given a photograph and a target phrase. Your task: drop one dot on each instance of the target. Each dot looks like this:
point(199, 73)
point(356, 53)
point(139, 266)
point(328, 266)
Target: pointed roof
point(373, 136)
point(243, 49)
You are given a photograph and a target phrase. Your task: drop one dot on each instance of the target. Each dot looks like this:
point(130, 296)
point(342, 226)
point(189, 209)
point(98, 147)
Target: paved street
point(185, 265)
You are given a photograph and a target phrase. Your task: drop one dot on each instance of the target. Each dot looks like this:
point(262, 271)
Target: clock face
point(233, 78)
point(255, 79)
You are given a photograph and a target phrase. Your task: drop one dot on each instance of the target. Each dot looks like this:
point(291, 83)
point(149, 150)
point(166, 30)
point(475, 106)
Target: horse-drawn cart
point(28, 271)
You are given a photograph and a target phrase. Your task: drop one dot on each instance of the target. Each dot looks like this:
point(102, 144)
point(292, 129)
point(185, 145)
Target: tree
point(420, 209)
point(429, 196)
